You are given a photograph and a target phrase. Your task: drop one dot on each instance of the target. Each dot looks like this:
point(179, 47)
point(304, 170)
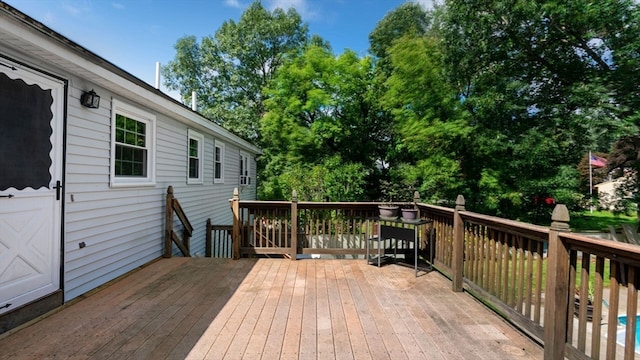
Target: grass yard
point(598, 221)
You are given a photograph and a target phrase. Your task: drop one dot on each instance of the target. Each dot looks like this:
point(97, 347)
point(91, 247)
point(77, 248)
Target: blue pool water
point(622, 320)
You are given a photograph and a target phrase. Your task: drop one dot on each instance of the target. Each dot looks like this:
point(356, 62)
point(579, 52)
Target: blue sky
point(134, 34)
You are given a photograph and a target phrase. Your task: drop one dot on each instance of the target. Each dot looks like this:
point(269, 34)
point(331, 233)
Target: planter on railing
point(388, 211)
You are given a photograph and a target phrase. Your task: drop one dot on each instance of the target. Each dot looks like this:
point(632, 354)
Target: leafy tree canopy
point(319, 107)
point(541, 81)
point(228, 70)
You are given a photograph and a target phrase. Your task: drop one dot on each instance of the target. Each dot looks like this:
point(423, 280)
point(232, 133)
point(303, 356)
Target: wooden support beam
point(294, 225)
point(458, 245)
point(557, 291)
point(179, 244)
point(235, 210)
point(207, 245)
point(168, 223)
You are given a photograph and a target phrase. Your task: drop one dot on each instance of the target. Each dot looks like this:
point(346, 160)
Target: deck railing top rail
point(515, 227)
point(622, 252)
point(254, 204)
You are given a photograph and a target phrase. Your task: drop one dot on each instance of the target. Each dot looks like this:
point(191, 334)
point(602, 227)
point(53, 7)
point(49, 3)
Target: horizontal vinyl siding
point(199, 201)
point(123, 228)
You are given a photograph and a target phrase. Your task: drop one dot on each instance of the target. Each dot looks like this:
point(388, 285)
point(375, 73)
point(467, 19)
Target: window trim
point(132, 112)
point(218, 144)
point(245, 177)
point(194, 135)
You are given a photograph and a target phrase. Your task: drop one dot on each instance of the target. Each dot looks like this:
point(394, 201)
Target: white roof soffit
point(32, 37)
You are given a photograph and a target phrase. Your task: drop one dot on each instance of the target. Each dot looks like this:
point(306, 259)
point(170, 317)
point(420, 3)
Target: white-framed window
point(218, 162)
point(245, 176)
point(195, 154)
point(133, 145)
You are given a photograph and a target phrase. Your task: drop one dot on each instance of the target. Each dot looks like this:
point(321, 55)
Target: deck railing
point(536, 277)
point(289, 228)
point(172, 205)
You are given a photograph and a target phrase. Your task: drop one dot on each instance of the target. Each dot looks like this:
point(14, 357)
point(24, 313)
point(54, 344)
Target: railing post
point(294, 225)
point(235, 210)
point(458, 245)
point(208, 245)
point(168, 223)
point(557, 288)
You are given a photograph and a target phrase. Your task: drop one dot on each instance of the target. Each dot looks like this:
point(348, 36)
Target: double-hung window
point(195, 156)
point(218, 162)
point(245, 176)
point(133, 141)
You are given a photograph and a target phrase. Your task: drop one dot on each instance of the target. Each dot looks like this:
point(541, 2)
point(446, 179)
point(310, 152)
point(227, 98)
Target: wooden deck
point(186, 308)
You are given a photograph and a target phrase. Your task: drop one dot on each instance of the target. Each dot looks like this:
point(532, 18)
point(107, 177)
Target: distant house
point(607, 192)
point(82, 189)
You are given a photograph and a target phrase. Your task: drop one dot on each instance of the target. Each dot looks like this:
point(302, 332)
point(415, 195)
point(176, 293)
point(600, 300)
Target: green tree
point(407, 20)
point(430, 123)
point(320, 111)
point(229, 70)
point(542, 82)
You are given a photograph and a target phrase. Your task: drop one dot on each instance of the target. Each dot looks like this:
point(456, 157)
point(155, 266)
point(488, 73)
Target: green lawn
point(598, 221)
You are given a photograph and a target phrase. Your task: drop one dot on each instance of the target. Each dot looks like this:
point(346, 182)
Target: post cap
point(560, 218)
point(460, 202)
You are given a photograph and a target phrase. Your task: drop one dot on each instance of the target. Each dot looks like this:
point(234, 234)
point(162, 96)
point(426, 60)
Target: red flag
point(597, 161)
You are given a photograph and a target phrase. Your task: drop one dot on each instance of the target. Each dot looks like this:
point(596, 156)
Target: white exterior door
point(31, 127)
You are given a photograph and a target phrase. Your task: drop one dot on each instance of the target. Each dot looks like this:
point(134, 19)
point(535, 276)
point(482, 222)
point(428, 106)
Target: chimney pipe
point(158, 75)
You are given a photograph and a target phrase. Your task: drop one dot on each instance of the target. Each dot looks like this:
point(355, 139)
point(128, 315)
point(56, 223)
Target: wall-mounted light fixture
point(90, 99)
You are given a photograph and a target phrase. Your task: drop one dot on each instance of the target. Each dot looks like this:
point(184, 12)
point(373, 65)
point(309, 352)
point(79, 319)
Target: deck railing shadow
point(529, 274)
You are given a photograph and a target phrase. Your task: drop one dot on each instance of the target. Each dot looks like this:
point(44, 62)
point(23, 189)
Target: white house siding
point(122, 228)
point(200, 201)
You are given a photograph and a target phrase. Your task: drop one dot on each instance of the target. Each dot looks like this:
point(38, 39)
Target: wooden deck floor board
point(149, 314)
point(383, 319)
point(248, 325)
point(357, 339)
point(291, 343)
point(369, 324)
point(308, 346)
point(258, 338)
point(164, 340)
point(227, 287)
point(238, 310)
point(270, 309)
point(275, 338)
point(166, 344)
point(411, 336)
point(340, 332)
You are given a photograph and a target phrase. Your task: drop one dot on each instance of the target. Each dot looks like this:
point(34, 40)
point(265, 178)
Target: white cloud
point(233, 3)
point(427, 4)
point(76, 8)
point(72, 10)
point(301, 6)
point(118, 6)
